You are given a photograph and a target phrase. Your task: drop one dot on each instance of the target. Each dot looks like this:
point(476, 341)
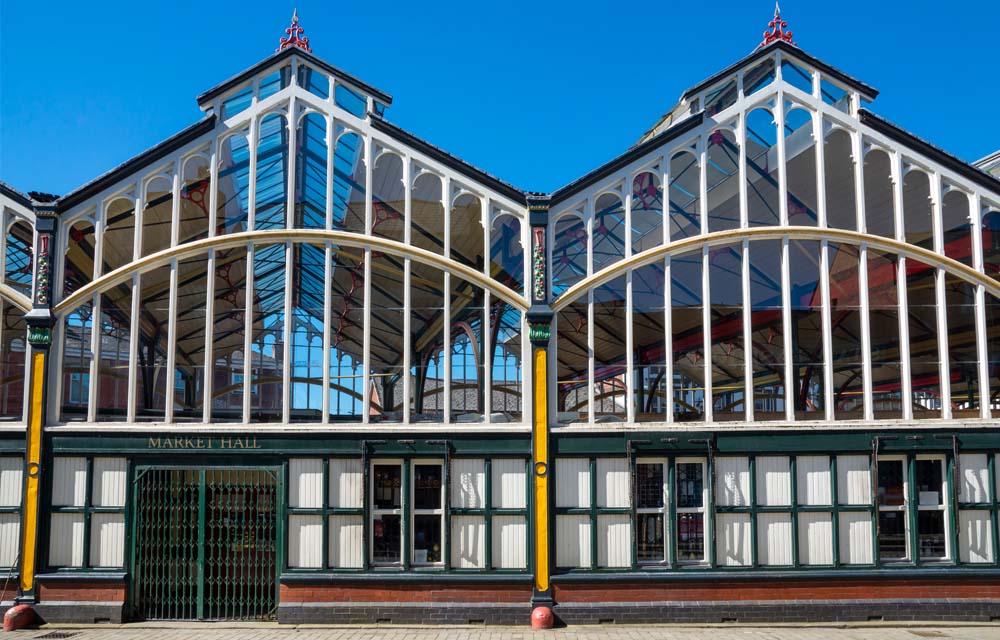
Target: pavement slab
point(264, 631)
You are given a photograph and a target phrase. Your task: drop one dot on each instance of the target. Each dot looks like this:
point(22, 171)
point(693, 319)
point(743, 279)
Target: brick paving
point(611, 632)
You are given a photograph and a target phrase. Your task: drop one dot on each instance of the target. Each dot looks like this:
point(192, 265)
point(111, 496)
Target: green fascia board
point(251, 445)
point(840, 441)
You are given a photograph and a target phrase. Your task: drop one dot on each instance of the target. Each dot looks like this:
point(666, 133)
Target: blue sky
point(537, 93)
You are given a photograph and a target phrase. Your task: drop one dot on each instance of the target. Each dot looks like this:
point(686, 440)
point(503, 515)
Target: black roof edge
point(937, 154)
point(449, 160)
point(280, 56)
point(763, 52)
point(14, 194)
point(136, 163)
point(626, 158)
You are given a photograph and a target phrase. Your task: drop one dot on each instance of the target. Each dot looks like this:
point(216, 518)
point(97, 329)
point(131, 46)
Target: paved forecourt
point(210, 631)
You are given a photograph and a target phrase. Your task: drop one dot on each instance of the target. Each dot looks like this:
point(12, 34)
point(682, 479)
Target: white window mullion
point(327, 322)
point(588, 216)
point(208, 374)
point(748, 388)
point(819, 133)
point(941, 298)
point(134, 327)
point(857, 150)
point(824, 278)
point(668, 330)
point(981, 350)
point(95, 360)
point(487, 356)
point(407, 282)
point(706, 309)
point(286, 347)
point(791, 380)
point(629, 316)
point(446, 326)
point(133, 354)
point(366, 378)
point(171, 372)
point(248, 334)
point(906, 384)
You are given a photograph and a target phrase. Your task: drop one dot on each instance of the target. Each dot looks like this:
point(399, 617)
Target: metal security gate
point(205, 544)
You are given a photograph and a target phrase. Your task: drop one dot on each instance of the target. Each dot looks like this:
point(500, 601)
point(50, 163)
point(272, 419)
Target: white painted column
point(208, 375)
point(982, 352)
point(819, 137)
point(288, 328)
point(630, 393)
point(706, 308)
point(906, 386)
point(857, 150)
point(940, 296)
point(408, 179)
point(171, 370)
point(588, 217)
point(487, 328)
point(446, 200)
point(366, 376)
point(134, 329)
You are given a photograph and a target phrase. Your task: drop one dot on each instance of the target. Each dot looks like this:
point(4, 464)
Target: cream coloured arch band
point(275, 236)
point(12, 295)
point(695, 243)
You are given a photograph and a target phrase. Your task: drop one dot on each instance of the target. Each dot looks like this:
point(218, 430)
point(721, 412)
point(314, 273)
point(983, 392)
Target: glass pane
point(387, 480)
point(930, 527)
point(930, 482)
point(890, 483)
point(386, 539)
point(426, 486)
point(892, 535)
point(426, 539)
point(649, 537)
point(649, 486)
point(690, 537)
point(690, 480)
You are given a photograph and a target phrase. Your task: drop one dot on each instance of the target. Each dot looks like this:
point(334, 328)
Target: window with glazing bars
point(977, 508)
point(11, 491)
point(87, 513)
point(769, 511)
point(467, 514)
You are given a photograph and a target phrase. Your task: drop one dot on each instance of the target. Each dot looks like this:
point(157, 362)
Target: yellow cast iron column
point(539, 318)
point(39, 321)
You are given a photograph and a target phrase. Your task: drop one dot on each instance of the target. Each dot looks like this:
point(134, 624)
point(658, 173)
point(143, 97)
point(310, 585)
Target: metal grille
point(205, 544)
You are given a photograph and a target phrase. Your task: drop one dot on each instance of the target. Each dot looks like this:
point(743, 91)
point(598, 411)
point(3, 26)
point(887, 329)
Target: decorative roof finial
point(777, 30)
point(294, 38)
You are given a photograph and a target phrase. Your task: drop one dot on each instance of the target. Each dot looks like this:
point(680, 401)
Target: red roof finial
point(777, 30)
point(294, 38)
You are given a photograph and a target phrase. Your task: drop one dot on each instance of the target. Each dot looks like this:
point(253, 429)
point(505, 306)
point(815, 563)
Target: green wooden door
point(205, 543)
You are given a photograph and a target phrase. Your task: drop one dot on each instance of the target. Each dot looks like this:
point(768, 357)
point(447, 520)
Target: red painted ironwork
point(295, 38)
point(777, 30)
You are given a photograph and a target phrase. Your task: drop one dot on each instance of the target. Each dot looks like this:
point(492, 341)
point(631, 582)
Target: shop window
point(931, 492)
point(651, 514)
point(428, 513)
point(87, 520)
point(892, 516)
point(692, 496)
point(387, 513)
